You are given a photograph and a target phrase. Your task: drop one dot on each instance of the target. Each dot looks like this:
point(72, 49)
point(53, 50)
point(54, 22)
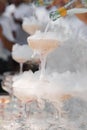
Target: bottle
point(39, 2)
point(43, 2)
point(62, 11)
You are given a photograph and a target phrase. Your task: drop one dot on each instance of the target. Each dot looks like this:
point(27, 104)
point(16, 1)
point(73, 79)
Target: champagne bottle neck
point(62, 11)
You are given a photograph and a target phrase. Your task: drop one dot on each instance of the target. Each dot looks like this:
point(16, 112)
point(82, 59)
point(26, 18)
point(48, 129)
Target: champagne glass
point(31, 25)
point(23, 100)
point(21, 54)
point(44, 45)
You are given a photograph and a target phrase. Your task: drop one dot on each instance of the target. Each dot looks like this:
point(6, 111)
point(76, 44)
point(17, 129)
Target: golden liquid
point(19, 60)
point(44, 45)
point(30, 29)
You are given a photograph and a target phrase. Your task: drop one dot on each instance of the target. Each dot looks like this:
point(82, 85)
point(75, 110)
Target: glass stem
point(27, 110)
point(21, 68)
point(42, 66)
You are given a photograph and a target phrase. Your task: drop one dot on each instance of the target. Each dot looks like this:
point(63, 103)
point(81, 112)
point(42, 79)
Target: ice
point(65, 83)
point(71, 56)
point(66, 91)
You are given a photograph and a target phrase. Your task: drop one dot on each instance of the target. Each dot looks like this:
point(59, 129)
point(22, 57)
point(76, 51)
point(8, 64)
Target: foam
point(44, 35)
point(31, 25)
point(28, 86)
point(21, 52)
